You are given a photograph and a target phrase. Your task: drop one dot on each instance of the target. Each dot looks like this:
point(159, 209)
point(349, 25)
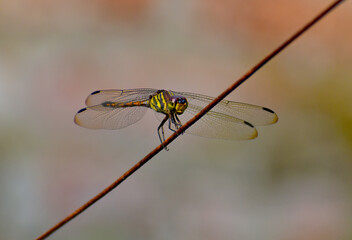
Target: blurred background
point(293, 182)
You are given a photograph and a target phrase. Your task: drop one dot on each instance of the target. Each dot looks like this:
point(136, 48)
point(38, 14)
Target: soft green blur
point(293, 182)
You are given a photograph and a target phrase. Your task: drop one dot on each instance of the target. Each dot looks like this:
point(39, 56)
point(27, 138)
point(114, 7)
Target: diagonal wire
point(191, 121)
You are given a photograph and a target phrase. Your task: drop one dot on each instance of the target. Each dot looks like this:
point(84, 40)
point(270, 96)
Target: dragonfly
point(116, 109)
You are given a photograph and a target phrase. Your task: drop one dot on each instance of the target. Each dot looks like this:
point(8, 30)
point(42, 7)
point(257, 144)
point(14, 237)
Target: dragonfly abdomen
point(123, 105)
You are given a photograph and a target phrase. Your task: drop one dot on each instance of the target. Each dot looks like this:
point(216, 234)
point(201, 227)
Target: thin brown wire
point(190, 122)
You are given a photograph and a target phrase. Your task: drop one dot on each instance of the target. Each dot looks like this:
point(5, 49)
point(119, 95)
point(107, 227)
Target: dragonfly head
point(178, 104)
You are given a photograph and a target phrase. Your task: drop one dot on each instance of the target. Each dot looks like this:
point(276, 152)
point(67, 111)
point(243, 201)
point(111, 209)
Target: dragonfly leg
point(173, 121)
point(178, 122)
point(162, 135)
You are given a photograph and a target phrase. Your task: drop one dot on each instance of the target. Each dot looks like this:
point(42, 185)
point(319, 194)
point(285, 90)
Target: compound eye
point(181, 100)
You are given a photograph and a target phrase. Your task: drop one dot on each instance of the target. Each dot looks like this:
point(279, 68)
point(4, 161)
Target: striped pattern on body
point(123, 105)
point(159, 102)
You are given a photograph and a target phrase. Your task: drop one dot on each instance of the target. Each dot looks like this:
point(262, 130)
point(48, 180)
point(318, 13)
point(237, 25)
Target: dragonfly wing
point(215, 125)
point(117, 95)
point(100, 117)
point(218, 125)
point(256, 115)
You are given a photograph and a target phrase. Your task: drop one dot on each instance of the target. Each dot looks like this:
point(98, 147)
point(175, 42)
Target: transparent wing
point(117, 95)
point(100, 117)
point(256, 115)
point(215, 125)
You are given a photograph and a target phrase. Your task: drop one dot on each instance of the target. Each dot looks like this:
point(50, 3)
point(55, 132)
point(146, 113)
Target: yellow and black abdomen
point(123, 105)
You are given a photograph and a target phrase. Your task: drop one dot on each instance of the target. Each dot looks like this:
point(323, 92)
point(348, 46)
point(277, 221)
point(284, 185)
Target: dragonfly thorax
point(177, 104)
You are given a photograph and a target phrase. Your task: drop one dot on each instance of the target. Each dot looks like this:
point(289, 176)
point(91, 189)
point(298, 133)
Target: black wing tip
point(82, 110)
point(268, 110)
point(95, 92)
point(248, 124)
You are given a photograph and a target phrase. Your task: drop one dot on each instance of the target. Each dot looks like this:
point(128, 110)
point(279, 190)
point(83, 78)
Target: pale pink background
point(292, 183)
